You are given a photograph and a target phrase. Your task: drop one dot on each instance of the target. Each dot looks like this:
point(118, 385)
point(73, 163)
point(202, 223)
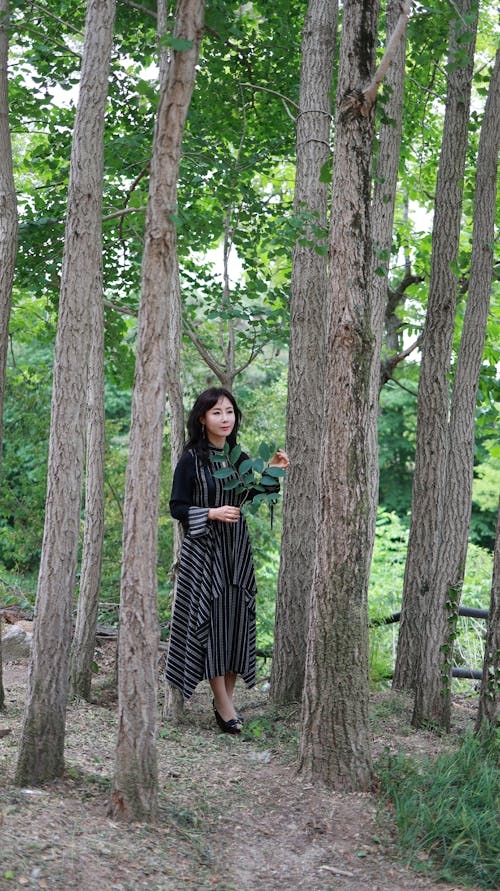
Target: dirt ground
point(233, 813)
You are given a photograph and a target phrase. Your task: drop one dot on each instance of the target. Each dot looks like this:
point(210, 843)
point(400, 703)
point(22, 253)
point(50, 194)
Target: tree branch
point(122, 213)
point(143, 9)
point(204, 353)
point(387, 367)
point(56, 18)
point(370, 94)
point(285, 99)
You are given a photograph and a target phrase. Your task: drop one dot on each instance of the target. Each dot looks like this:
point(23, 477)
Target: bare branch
point(285, 99)
point(387, 367)
point(122, 213)
point(370, 94)
point(124, 310)
point(204, 353)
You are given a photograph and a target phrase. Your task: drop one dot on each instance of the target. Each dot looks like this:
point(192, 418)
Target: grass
point(446, 810)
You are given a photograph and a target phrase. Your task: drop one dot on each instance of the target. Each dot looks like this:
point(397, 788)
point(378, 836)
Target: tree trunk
point(334, 745)
point(135, 790)
point(8, 229)
point(83, 646)
point(489, 698)
point(306, 356)
point(433, 393)
point(382, 220)
point(8, 208)
point(41, 755)
point(432, 695)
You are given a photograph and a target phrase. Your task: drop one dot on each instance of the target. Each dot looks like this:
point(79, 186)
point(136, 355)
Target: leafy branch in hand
point(253, 477)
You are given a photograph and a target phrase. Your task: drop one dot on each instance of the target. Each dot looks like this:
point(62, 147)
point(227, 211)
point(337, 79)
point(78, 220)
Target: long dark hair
point(205, 401)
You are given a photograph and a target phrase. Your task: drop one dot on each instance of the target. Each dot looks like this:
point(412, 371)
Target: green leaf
point(224, 473)
point(275, 471)
point(177, 43)
point(245, 466)
point(235, 453)
point(265, 451)
point(267, 481)
point(232, 484)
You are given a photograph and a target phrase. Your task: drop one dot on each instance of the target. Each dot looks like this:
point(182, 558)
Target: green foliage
point(384, 597)
point(446, 810)
point(241, 477)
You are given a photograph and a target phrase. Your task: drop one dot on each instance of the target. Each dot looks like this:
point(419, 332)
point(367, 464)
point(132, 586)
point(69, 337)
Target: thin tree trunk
point(488, 714)
point(8, 230)
point(8, 208)
point(306, 356)
point(382, 221)
point(433, 393)
point(135, 784)
point(83, 646)
point(432, 695)
point(41, 754)
point(334, 746)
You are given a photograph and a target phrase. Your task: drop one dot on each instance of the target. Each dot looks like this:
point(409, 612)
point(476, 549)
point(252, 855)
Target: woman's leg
point(223, 701)
point(230, 681)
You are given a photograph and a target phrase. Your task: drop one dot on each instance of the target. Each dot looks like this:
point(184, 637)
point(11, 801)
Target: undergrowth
point(446, 810)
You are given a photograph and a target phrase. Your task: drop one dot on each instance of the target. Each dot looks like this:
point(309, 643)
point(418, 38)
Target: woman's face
point(219, 421)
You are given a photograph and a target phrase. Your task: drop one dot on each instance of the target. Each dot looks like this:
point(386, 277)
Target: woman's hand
point(280, 459)
point(225, 514)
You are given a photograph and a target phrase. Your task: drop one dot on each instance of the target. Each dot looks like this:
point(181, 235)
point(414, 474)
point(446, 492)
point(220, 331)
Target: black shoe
point(233, 726)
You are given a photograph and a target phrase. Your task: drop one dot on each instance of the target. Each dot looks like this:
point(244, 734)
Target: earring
point(203, 432)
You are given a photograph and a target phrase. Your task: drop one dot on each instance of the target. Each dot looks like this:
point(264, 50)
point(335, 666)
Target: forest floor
point(234, 815)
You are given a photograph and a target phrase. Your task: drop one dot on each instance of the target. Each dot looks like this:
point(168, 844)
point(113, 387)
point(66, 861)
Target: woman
point(213, 621)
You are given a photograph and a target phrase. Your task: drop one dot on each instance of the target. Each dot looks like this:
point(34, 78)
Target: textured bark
point(135, 784)
point(8, 228)
point(41, 755)
point(8, 208)
point(382, 219)
point(334, 745)
point(83, 646)
point(433, 394)
point(489, 697)
point(306, 357)
point(432, 695)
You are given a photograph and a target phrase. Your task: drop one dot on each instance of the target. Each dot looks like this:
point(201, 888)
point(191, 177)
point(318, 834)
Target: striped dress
point(213, 619)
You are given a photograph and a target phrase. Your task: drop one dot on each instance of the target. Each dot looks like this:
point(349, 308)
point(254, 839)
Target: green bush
point(446, 810)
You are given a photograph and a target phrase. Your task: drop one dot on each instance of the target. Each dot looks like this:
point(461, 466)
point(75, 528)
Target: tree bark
point(41, 754)
point(432, 695)
point(83, 646)
point(433, 393)
point(134, 793)
point(489, 697)
point(382, 219)
point(8, 230)
point(8, 208)
point(334, 746)
point(306, 356)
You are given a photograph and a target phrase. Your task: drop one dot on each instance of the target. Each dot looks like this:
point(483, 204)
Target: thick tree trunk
point(83, 646)
point(433, 393)
point(334, 745)
point(432, 695)
point(135, 790)
point(306, 356)
point(41, 754)
point(8, 228)
point(488, 715)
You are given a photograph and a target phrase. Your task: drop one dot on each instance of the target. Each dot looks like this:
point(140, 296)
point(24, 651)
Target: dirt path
point(233, 813)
